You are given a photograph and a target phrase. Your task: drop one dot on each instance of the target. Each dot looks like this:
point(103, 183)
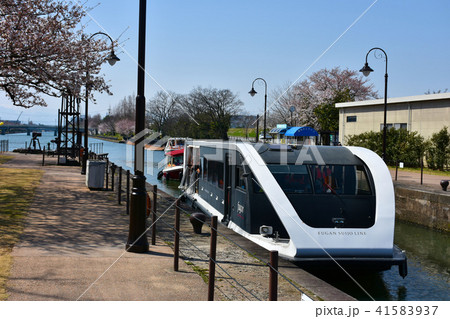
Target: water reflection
point(123, 155)
point(428, 264)
point(429, 246)
point(428, 270)
point(119, 153)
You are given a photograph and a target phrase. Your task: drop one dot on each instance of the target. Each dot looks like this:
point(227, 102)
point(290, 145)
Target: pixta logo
point(146, 159)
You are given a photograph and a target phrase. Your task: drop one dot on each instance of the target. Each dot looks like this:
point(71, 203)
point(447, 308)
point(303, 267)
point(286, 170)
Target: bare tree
point(126, 108)
point(210, 111)
point(162, 111)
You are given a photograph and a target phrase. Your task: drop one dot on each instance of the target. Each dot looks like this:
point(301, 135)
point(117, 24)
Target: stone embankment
point(423, 205)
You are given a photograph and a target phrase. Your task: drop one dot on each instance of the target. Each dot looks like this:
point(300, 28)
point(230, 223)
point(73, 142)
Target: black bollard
point(137, 237)
point(197, 220)
point(444, 184)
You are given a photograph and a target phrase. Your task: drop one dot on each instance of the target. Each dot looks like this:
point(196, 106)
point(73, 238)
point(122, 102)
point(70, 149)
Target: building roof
point(396, 100)
point(301, 131)
point(278, 130)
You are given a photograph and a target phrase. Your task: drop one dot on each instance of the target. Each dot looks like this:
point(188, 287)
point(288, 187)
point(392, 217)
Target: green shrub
point(438, 156)
point(401, 145)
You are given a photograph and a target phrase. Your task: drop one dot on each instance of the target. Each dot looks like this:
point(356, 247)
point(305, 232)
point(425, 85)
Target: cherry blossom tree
point(125, 127)
point(314, 98)
point(43, 50)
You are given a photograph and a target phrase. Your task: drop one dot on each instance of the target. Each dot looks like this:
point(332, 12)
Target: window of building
point(351, 118)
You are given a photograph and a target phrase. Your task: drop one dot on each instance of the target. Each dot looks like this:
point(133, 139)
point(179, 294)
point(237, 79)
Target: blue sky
point(226, 44)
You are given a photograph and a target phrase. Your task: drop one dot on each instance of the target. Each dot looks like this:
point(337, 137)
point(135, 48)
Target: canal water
point(427, 251)
point(120, 154)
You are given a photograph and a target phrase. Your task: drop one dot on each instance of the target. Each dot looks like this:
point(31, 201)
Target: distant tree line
point(202, 113)
point(206, 112)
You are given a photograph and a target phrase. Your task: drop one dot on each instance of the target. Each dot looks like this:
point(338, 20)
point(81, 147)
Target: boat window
point(220, 168)
point(326, 179)
point(340, 180)
point(178, 160)
point(293, 179)
point(215, 173)
point(363, 185)
point(240, 183)
point(204, 168)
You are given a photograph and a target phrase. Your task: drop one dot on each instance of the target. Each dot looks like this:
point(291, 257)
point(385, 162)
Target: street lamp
point(252, 93)
point(112, 59)
point(137, 238)
point(292, 110)
point(366, 71)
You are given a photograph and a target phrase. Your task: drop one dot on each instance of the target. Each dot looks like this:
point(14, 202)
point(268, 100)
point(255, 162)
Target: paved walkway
point(412, 178)
point(73, 247)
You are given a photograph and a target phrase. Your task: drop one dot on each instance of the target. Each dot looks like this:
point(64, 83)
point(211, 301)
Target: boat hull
point(175, 173)
point(236, 185)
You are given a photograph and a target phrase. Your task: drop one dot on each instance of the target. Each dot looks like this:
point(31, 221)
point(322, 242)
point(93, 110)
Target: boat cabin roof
point(308, 154)
point(290, 154)
point(175, 152)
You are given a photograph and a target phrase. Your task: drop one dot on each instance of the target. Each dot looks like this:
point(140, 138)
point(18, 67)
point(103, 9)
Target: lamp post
point(137, 238)
point(252, 93)
point(292, 109)
point(366, 71)
point(112, 59)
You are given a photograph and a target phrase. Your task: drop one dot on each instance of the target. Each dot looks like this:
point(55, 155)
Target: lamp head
point(366, 69)
point(252, 92)
point(112, 58)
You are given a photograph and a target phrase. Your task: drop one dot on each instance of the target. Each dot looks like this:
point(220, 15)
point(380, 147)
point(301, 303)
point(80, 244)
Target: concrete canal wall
point(424, 206)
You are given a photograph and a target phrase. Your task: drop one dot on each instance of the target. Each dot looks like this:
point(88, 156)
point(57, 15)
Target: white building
point(425, 114)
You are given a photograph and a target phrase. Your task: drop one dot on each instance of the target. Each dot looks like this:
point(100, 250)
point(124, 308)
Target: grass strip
point(17, 187)
point(5, 158)
point(427, 171)
point(242, 132)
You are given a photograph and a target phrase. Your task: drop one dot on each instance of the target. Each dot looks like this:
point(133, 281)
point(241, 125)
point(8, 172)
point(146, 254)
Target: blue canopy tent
point(300, 134)
point(301, 131)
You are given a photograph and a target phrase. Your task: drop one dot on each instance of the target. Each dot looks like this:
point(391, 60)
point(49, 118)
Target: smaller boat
point(174, 143)
point(174, 166)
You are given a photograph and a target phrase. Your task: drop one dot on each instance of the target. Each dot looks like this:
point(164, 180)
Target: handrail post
point(212, 258)
point(128, 192)
point(119, 187)
point(396, 170)
point(421, 170)
point(273, 275)
point(176, 246)
point(43, 157)
point(155, 192)
point(113, 171)
point(107, 174)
